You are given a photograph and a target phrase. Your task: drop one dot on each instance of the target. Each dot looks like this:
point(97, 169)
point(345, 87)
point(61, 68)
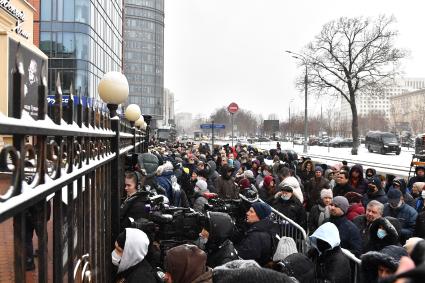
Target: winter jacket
point(203, 278)
point(331, 265)
point(295, 185)
point(313, 188)
point(419, 204)
point(420, 225)
point(248, 275)
point(314, 219)
point(141, 272)
point(363, 226)
point(257, 242)
point(415, 178)
point(267, 197)
point(406, 215)
point(341, 190)
point(134, 207)
point(219, 248)
point(355, 210)
point(349, 234)
point(292, 209)
point(304, 174)
point(378, 196)
point(226, 188)
point(359, 185)
point(391, 226)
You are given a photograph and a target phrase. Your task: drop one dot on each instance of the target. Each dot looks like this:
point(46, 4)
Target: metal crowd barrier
point(354, 262)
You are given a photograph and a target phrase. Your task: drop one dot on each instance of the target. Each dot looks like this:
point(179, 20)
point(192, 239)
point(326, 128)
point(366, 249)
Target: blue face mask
point(381, 233)
point(285, 197)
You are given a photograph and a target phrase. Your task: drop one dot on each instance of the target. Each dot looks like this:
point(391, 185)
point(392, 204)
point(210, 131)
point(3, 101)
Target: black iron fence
point(73, 163)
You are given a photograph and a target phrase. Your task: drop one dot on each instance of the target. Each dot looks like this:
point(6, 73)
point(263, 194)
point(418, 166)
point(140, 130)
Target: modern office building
point(83, 40)
point(367, 104)
point(168, 109)
point(143, 60)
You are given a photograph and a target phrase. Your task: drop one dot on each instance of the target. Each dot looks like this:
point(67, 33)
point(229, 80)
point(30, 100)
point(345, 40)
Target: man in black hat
point(289, 205)
point(374, 191)
point(404, 213)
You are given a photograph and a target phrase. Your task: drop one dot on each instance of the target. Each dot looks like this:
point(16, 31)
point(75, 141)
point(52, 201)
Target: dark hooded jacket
point(225, 186)
point(249, 275)
point(134, 207)
point(349, 234)
point(341, 190)
point(313, 188)
point(219, 248)
point(373, 173)
point(212, 176)
point(408, 199)
point(391, 225)
point(304, 174)
point(359, 185)
point(378, 195)
point(331, 265)
point(389, 257)
point(293, 209)
point(416, 178)
point(406, 215)
point(257, 242)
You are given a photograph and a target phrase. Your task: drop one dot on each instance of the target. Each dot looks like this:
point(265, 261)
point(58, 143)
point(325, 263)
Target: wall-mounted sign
point(32, 68)
point(19, 15)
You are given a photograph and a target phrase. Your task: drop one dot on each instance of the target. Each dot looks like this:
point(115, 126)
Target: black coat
point(141, 272)
point(349, 234)
point(222, 254)
point(378, 196)
point(420, 225)
point(313, 188)
point(293, 209)
point(257, 242)
point(361, 223)
point(391, 225)
point(313, 218)
point(331, 265)
point(341, 190)
point(133, 207)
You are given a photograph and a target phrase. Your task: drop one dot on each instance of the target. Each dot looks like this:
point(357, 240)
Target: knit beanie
point(326, 193)
point(318, 168)
point(244, 183)
point(285, 248)
point(342, 203)
point(267, 180)
point(248, 174)
point(201, 184)
point(185, 263)
point(262, 209)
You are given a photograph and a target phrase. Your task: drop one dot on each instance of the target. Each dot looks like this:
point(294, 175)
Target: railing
point(287, 227)
point(355, 265)
point(75, 165)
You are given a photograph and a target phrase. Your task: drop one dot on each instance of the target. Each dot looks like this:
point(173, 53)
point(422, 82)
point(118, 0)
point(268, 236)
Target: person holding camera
point(133, 206)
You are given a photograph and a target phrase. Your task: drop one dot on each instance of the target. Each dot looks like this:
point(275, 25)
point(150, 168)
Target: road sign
point(206, 126)
point(233, 108)
point(209, 126)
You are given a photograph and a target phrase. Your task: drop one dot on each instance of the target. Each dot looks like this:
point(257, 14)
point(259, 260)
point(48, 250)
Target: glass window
point(82, 46)
point(46, 42)
point(68, 13)
point(82, 11)
point(46, 10)
point(68, 43)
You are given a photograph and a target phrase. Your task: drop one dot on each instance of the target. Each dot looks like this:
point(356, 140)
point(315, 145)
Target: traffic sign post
point(232, 108)
point(212, 126)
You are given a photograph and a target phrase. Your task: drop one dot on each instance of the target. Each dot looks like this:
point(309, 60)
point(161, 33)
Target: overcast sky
point(222, 51)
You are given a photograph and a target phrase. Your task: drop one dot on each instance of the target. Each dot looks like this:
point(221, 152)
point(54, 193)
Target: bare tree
point(352, 56)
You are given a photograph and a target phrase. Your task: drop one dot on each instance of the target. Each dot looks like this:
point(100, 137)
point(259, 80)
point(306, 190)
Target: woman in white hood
point(129, 254)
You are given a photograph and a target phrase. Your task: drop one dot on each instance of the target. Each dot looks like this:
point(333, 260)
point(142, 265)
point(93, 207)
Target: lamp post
point(132, 113)
point(113, 90)
point(147, 119)
point(304, 60)
point(139, 124)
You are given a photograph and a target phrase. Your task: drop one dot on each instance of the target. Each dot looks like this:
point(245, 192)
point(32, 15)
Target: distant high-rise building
point(184, 121)
point(168, 110)
point(367, 104)
point(83, 40)
point(144, 55)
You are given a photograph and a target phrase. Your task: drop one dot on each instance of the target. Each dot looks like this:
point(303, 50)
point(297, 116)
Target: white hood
point(135, 248)
point(327, 232)
point(293, 182)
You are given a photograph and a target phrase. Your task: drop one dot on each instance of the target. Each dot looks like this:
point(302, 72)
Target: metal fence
point(73, 162)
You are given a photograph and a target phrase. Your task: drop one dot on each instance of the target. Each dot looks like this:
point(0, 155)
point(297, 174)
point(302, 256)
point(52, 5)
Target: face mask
point(116, 259)
point(381, 233)
point(285, 197)
point(202, 242)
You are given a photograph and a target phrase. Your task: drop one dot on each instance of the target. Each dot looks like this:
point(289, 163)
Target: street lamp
point(304, 60)
point(132, 113)
point(113, 90)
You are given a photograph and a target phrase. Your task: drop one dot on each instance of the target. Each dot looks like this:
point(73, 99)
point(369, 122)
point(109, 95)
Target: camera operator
point(215, 238)
point(134, 204)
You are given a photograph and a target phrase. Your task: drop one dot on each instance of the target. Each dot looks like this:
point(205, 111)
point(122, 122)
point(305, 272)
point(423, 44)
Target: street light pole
point(304, 60)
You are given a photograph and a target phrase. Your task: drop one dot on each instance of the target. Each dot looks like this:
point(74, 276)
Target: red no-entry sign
point(233, 108)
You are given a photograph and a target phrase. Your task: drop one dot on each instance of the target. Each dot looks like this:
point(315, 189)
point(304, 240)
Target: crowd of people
point(343, 209)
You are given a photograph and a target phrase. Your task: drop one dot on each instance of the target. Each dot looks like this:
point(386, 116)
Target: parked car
point(313, 141)
point(341, 142)
point(382, 142)
point(298, 140)
point(324, 141)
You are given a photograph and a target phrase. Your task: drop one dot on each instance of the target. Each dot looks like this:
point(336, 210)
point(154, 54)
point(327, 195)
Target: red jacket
point(354, 210)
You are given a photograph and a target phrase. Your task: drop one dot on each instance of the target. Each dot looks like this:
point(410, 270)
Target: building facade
point(408, 111)
point(168, 109)
point(367, 104)
point(143, 61)
point(83, 40)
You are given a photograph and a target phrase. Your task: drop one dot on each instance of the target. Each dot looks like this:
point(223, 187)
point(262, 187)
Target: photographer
point(133, 205)
point(218, 229)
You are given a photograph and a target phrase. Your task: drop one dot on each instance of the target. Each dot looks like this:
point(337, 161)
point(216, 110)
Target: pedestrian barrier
point(73, 158)
point(287, 227)
point(355, 265)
